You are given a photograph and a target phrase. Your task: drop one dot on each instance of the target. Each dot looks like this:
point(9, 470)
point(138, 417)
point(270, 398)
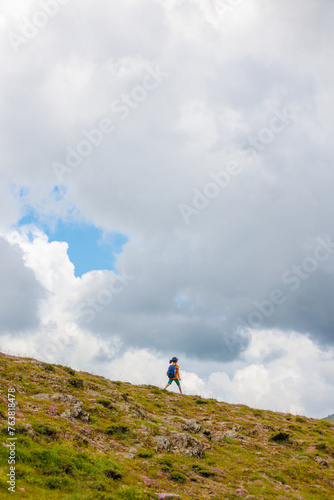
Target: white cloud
point(278, 371)
point(229, 74)
point(294, 379)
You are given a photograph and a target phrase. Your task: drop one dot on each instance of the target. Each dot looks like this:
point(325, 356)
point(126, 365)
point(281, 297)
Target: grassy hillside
point(82, 437)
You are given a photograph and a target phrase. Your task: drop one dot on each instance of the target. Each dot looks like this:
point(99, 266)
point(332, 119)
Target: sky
point(166, 190)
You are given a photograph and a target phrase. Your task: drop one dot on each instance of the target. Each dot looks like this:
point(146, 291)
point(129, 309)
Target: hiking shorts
point(175, 380)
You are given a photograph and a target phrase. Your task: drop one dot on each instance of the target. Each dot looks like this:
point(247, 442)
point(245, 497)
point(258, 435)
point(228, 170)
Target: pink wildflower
point(161, 496)
point(240, 491)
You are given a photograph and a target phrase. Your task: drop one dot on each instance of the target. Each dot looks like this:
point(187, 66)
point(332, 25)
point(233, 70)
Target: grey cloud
point(20, 292)
point(223, 86)
point(274, 355)
point(199, 338)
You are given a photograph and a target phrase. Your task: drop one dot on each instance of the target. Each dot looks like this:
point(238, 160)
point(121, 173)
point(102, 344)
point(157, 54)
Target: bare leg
point(180, 389)
point(166, 386)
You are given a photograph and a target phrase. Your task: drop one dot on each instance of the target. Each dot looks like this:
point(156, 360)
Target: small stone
point(231, 434)
point(321, 461)
point(218, 437)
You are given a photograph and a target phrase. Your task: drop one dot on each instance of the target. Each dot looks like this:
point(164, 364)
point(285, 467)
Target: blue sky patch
point(89, 248)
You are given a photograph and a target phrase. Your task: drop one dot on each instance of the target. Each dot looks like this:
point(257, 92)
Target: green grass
point(114, 456)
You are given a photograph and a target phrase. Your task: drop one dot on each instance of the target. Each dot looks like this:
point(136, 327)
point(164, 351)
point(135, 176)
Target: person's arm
point(177, 369)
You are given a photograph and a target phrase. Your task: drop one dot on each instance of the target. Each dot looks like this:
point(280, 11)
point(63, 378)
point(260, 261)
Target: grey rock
point(218, 437)
point(191, 425)
point(131, 452)
point(321, 461)
point(162, 443)
point(186, 444)
point(231, 434)
point(95, 394)
point(206, 433)
point(84, 417)
point(75, 405)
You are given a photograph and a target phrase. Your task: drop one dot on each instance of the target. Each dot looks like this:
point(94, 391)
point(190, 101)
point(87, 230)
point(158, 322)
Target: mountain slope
point(83, 437)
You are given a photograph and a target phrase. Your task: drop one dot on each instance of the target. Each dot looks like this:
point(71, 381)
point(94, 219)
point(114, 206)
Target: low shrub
point(280, 437)
point(76, 382)
point(55, 483)
point(258, 413)
point(203, 472)
point(130, 493)
point(106, 403)
point(45, 429)
point(48, 368)
point(68, 370)
point(166, 464)
point(145, 454)
point(112, 474)
point(117, 430)
point(178, 477)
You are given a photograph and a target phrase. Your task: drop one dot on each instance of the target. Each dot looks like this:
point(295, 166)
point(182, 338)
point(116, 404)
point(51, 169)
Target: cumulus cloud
point(151, 107)
point(285, 383)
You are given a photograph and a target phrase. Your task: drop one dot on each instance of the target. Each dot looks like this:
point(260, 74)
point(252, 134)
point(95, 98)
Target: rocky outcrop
point(220, 436)
point(162, 443)
point(191, 425)
point(179, 442)
point(74, 409)
point(188, 425)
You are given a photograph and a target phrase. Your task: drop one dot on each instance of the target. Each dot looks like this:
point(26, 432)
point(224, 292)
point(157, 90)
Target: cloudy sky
point(167, 189)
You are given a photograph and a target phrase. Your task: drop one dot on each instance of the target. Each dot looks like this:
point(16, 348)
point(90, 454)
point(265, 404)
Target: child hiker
point(173, 373)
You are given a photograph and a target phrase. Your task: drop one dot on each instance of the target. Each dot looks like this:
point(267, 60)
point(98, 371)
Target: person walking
point(173, 373)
